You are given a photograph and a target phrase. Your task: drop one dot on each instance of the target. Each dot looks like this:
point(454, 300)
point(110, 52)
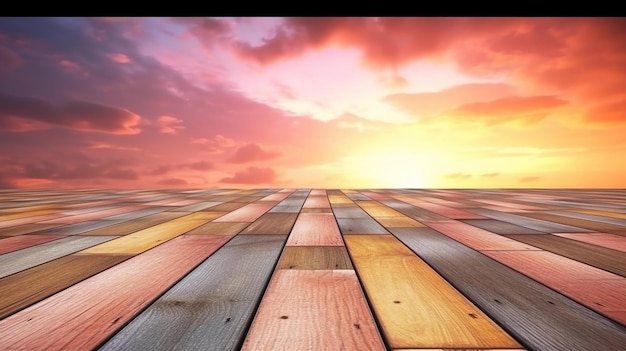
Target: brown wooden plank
point(227, 207)
point(92, 215)
point(27, 287)
point(316, 202)
point(223, 228)
point(132, 226)
point(401, 221)
point(248, 213)
point(477, 238)
point(15, 243)
point(313, 229)
point(577, 222)
point(611, 241)
point(416, 307)
point(272, 223)
point(26, 229)
point(85, 316)
point(148, 238)
point(317, 210)
point(500, 227)
point(450, 212)
point(314, 257)
point(313, 310)
point(376, 209)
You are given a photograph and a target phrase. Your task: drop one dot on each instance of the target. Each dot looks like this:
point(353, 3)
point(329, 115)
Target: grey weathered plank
point(500, 227)
point(139, 213)
point(360, 226)
point(610, 260)
point(414, 212)
point(20, 260)
point(198, 207)
point(292, 204)
point(272, 223)
point(80, 227)
point(210, 308)
point(537, 316)
point(25, 229)
point(133, 225)
point(352, 211)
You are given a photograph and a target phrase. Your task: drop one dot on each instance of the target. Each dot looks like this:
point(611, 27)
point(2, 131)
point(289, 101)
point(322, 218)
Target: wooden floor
point(313, 269)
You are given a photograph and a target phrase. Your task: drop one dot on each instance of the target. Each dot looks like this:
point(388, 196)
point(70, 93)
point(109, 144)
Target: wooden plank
point(25, 229)
point(349, 212)
point(28, 220)
point(316, 202)
point(27, 287)
point(228, 206)
point(317, 210)
point(17, 261)
point(414, 212)
point(248, 213)
point(272, 223)
point(360, 226)
point(539, 317)
point(477, 238)
point(131, 226)
point(318, 192)
point(376, 209)
point(144, 212)
point(571, 278)
point(78, 228)
point(313, 229)
point(611, 241)
point(590, 217)
point(85, 316)
point(210, 308)
point(450, 212)
point(402, 221)
point(536, 224)
point(610, 260)
point(148, 238)
point(500, 227)
point(314, 257)
point(578, 222)
point(339, 199)
point(313, 310)
point(15, 243)
point(416, 307)
point(92, 215)
point(276, 197)
point(200, 206)
point(223, 228)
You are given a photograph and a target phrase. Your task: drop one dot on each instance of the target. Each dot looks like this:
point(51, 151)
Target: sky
point(363, 102)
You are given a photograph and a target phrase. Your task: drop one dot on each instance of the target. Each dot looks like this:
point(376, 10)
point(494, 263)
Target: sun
point(390, 170)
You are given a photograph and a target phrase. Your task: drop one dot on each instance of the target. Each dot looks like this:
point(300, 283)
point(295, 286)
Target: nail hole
point(357, 325)
point(472, 315)
point(227, 319)
point(551, 303)
point(283, 317)
point(497, 301)
point(396, 301)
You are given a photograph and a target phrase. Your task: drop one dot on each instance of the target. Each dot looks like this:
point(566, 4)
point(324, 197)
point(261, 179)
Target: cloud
point(196, 166)
point(394, 82)
point(75, 171)
point(428, 104)
point(9, 60)
point(251, 175)
point(531, 109)
point(251, 153)
point(206, 30)
point(173, 182)
point(170, 125)
point(124, 174)
point(529, 179)
point(102, 145)
point(79, 115)
point(458, 175)
point(608, 113)
point(120, 58)
point(491, 175)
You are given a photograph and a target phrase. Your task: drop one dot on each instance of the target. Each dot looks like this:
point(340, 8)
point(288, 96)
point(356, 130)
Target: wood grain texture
point(314, 257)
point(27, 287)
point(272, 223)
point(316, 202)
point(376, 209)
point(450, 212)
point(92, 215)
point(577, 222)
point(223, 228)
point(477, 238)
point(313, 310)
point(571, 278)
point(536, 224)
point(316, 210)
point(313, 229)
point(248, 213)
point(360, 226)
point(352, 211)
point(609, 260)
point(416, 307)
point(79, 228)
point(85, 316)
point(339, 199)
point(228, 206)
point(591, 217)
point(15, 243)
point(611, 241)
point(211, 308)
point(25, 229)
point(148, 238)
point(16, 261)
point(500, 227)
point(401, 221)
point(414, 212)
point(131, 226)
point(537, 316)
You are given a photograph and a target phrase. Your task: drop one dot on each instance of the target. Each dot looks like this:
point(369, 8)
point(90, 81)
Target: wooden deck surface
point(313, 269)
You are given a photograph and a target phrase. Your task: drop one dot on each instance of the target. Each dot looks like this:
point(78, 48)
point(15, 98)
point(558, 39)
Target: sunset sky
point(340, 102)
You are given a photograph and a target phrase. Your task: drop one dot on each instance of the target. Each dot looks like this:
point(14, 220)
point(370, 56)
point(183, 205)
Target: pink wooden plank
point(28, 220)
point(19, 242)
point(276, 197)
point(184, 202)
point(375, 196)
point(95, 203)
point(611, 241)
point(593, 287)
point(316, 202)
point(449, 212)
point(504, 209)
point(315, 229)
point(313, 310)
point(476, 238)
point(510, 204)
point(438, 201)
point(84, 315)
point(93, 215)
point(247, 213)
point(318, 192)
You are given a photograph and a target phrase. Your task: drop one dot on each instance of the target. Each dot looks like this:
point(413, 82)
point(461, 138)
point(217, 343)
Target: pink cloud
point(173, 182)
point(120, 58)
point(612, 112)
point(251, 175)
point(170, 125)
point(251, 153)
point(80, 115)
point(9, 60)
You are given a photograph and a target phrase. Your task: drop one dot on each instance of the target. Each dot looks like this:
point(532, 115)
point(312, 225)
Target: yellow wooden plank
point(416, 307)
point(150, 237)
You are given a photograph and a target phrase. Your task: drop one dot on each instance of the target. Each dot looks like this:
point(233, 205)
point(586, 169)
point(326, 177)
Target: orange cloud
point(531, 109)
point(529, 179)
point(458, 175)
point(251, 153)
point(173, 182)
point(170, 125)
point(251, 175)
point(612, 112)
point(80, 115)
